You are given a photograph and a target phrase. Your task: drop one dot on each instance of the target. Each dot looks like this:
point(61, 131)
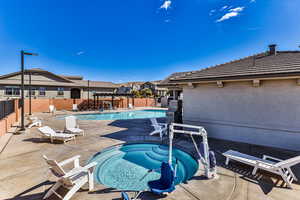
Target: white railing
point(196, 130)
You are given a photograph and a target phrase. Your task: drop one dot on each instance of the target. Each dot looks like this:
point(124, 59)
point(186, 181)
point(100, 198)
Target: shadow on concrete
point(43, 140)
point(261, 178)
point(29, 197)
point(144, 196)
point(23, 196)
point(36, 140)
point(134, 129)
point(105, 191)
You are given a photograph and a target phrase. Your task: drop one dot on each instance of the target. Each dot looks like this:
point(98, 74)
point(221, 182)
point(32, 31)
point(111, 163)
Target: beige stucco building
point(45, 84)
point(253, 100)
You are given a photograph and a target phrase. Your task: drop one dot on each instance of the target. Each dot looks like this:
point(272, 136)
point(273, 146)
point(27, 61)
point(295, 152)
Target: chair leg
point(227, 161)
point(53, 188)
point(292, 174)
point(73, 190)
point(284, 177)
point(254, 171)
point(154, 132)
point(91, 179)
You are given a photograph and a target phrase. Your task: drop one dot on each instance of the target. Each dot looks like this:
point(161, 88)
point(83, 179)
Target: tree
point(136, 93)
point(146, 92)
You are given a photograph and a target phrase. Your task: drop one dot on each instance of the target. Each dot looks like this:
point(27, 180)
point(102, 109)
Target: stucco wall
point(267, 115)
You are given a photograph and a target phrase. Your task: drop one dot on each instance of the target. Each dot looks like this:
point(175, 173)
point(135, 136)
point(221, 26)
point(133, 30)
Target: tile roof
point(263, 64)
point(69, 81)
point(100, 84)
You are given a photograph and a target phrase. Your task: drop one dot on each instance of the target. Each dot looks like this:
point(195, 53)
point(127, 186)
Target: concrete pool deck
point(24, 174)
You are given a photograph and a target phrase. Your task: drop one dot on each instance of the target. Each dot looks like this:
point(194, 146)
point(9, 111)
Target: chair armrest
point(69, 160)
point(88, 166)
point(264, 163)
point(266, 157)
point(160, 125)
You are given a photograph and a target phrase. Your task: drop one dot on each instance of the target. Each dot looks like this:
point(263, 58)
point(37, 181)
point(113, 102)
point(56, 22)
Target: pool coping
point(57, 116)
point(143, 142)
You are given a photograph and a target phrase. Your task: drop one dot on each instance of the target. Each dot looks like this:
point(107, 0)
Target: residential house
point(254, 100)
point(127, 88)
point(153, 86)
point(45, 84)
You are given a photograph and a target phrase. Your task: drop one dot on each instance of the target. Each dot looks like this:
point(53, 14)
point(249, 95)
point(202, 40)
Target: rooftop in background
point(271, 63)
point(130, 84)
point(62, 80)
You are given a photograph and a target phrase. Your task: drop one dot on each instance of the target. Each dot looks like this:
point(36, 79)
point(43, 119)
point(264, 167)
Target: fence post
point(17, 109)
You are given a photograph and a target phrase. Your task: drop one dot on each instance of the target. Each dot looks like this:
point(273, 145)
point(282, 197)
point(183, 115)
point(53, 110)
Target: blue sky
point(139, 40)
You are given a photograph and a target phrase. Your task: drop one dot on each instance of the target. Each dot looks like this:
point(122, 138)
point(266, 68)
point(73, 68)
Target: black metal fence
point(6, 107)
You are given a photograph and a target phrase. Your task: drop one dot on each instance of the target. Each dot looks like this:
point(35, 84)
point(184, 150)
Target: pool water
point(136, 114)
point(127, 167)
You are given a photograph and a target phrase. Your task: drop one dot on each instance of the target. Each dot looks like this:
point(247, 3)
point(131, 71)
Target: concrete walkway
point(24, 175)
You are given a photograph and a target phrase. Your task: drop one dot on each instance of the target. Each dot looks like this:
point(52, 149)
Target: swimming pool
point(127, 167)
point(135, 114)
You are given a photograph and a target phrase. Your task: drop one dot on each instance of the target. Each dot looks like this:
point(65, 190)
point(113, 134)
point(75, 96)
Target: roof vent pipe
point(272, 49)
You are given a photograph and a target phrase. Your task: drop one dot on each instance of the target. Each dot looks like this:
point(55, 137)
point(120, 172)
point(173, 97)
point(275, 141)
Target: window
point(42, 91)
point(12, 91)
point(32, 91)
point(60, 91)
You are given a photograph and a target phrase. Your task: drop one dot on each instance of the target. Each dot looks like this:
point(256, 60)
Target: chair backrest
point(74, 107)
point(51, 108)
point(46, 130)
point(289, 162)
point(155, 124)
point(70, 122)
point(154, 121)
point(167, 175)
point(57, 170)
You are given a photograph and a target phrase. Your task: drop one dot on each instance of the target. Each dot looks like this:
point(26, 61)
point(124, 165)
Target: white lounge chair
point(267, 163)
point(160, 128)
point(52, 109)
point(49, 133)
point(130, 106)
point(73, 179)
point(72, 126)
point(34, 121)
point(74, 107)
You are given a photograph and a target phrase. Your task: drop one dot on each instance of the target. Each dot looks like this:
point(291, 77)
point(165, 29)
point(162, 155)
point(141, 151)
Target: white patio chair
point(267, 163)
point(52, 109)
point(160, 128)
point(75, 107)
point(34, 121)
point(49, 133)
point(73, 180)
point(72, 126)
point(130, 106)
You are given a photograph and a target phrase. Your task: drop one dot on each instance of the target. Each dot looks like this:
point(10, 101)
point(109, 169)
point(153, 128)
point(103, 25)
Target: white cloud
point(211, 12)
point(237, 9)
point(232, 13)
point(228, 16)
point(223, 8)
point(80, 53)
point(166, 5)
